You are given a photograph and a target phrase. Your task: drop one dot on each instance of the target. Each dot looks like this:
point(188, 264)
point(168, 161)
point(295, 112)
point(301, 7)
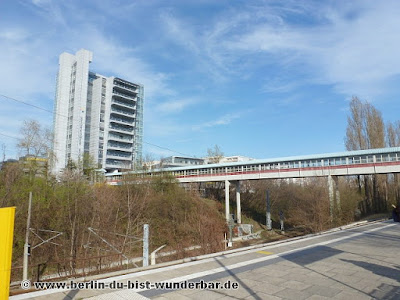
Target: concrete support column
point(238, 209)
point(334, 195)
point(331, 196)
point(227, 215)
point(337, 193)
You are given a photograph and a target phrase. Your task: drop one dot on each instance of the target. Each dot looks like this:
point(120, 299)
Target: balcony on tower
point(115, 126)
point(121, 109)
point(120, 146)
point(119, 155)
point(120, 137)
point(117, 164)
point(121, 119)
point(126, 85)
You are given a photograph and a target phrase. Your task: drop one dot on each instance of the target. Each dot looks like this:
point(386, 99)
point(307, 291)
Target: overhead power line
point(49, 111)
point(165, 148)
point(13, 137)
point(26, 103)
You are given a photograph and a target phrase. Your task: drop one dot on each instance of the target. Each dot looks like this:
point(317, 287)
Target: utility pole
point(231, 224)
point(145, 245)
point(268, 216)
point(27, 246)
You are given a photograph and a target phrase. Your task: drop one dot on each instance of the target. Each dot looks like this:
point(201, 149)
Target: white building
point(236, 158)
point(180, 161)
point(96, 115)
point(226, 159)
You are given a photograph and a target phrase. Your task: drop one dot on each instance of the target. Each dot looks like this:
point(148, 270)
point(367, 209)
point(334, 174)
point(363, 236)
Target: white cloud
point(223, 120)
point(354, 54)
point(13, 34)
point(280, 85)
point(53, 11)
point(41, 3)
point(175, 106)
point(353, 47)
point(198, 45)
point(25, 74)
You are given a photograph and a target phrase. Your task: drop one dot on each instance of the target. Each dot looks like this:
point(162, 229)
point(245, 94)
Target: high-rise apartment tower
point(95, 116)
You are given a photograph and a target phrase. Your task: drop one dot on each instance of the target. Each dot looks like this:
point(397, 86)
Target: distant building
point(30, 165)
point(226, 159)
point(36, 165)
point(97, 116)
point(180, 161)
point(236, 158)
point(8, 161)
point(150, 165)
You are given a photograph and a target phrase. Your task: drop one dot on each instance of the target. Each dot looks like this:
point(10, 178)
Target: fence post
point(153, 254)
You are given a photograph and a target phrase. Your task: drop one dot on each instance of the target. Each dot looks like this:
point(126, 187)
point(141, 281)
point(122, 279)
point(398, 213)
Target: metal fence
point(70, 268)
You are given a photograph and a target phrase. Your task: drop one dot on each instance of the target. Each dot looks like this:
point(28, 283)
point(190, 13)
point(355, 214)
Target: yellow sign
point(6, 241)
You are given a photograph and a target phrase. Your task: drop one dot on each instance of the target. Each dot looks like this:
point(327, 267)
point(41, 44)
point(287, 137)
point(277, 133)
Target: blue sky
point(258, 78)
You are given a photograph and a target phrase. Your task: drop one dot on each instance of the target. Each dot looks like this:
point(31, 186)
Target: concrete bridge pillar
point(227, 215)
point(334, 196)
point(238, 207)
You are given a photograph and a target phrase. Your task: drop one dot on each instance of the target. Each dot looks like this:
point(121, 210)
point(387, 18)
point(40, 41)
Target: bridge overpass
point(330, 165)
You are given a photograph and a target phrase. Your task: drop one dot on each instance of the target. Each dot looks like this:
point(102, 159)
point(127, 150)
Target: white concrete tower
point(70, 108)
point(97, 115)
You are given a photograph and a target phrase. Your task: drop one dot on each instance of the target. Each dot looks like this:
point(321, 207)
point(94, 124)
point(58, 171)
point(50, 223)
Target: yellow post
point(6, 241)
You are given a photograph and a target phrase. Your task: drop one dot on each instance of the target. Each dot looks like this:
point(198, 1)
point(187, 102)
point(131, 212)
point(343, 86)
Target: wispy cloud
point(22, 67)
point(279, 85)
point(353, 49)
point(175, 106)
point(51, 10)
point(197, 45)
point(223, 120)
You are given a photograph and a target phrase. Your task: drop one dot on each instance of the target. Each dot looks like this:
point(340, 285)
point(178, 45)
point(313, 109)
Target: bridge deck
point(362, 162)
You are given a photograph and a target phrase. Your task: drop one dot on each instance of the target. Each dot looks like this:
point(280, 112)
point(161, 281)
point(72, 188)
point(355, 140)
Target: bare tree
point(366, 130)
point(393, 134)
point(393, 140)
point(365, 126)
point(215, 154)
point(355, 133)
point(35, 140)
point(147, 162)
point(375, 130)
point(35, 144)
point(375, 127)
